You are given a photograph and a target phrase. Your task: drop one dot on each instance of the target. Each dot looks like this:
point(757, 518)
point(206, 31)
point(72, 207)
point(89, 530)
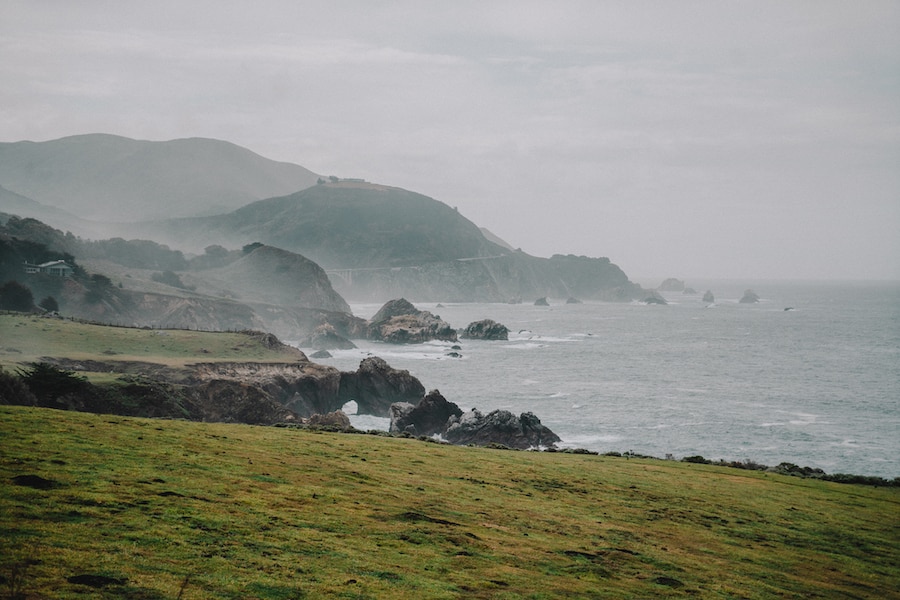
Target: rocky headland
point(435, 415)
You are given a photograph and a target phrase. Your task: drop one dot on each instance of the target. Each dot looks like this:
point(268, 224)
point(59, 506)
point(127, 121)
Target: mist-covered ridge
point(108, 178)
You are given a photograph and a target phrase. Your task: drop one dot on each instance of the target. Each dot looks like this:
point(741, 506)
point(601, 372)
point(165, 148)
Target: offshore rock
point(708, 296)
point(486, 329)
point(499, 427)
point(749, 297)
point(376, 385)
point(671, 285)
point(428, 417)
point(542, 301)
point(324, 337)
point(399, 322)
point(654, 298)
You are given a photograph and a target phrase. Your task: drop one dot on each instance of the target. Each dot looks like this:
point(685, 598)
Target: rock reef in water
point(434, 414)
point(671, 285)
point(428, 417)
point(749, 297)
point(499, 427)
point(399, 322)
point(654, 297)
point(486, 329)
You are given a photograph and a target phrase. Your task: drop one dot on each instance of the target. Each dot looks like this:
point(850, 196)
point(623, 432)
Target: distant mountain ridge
point(342, 225)
point(377, 242)
point(108, 178)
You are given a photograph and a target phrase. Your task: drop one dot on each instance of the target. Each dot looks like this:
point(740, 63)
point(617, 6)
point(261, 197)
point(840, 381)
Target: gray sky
point(739, 139)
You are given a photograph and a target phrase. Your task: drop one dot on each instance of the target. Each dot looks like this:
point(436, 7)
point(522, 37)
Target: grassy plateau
point(28, 338)
point(114, 507)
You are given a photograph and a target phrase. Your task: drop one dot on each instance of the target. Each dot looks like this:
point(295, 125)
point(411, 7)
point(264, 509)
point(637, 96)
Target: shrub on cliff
point(16, 296)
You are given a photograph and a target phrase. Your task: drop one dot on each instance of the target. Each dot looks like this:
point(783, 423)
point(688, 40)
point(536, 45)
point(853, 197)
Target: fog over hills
point(108, 178)
point(379, 242)
point(345, 224)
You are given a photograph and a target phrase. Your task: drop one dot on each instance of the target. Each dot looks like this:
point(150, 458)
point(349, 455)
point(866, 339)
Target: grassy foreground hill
point(113, 507)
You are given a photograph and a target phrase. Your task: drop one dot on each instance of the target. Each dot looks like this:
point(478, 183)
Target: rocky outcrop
point(573, 300)
point(486, 329)
point(434, 414)
point(654, 297)
point(671, 285)
point(499, 427)
point(306, 388)
point(336, 419)
point(749, 297)
point(399, 322)
point(428, 417)
point(223, 401)
point(324, 337)
point(708, 296)
point(542, 301)
point(376, 385)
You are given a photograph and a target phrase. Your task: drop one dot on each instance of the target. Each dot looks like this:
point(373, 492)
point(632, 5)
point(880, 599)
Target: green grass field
point(26, 338)
point(98, 506)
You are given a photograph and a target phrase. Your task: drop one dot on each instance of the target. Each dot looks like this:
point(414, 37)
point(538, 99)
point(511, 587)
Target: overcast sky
point(736, 139)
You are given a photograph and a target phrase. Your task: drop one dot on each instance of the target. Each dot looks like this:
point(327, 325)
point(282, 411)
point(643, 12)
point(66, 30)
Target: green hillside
point(346, 224)
point(113, 507)
point(28, 338)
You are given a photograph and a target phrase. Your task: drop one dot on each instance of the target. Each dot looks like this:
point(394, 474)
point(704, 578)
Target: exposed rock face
point(428, 417)
point(304, 388)
point(332, 419)
point(486, 329)
point(324, 337)
point(376, 385)
point(224, 401)
point(542, 301)
point(749, 297)
point(399, 322)
point(671, 285)
point(307, 388)
point(499, 427)
point(654, 298)
point(708, 296)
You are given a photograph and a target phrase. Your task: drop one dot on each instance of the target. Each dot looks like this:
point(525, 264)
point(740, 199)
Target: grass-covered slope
point(113, 507)
point(27, 338)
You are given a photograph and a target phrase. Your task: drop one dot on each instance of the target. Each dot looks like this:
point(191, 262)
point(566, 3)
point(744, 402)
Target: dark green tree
point(14, 391)
point(49, 304)
point(15, 296)
point(49, 383)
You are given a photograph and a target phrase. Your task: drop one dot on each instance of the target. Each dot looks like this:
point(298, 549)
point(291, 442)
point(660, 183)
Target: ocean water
point(817, 385)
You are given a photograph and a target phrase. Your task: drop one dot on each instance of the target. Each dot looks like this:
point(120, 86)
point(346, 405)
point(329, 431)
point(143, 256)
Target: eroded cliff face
point(303, 389)
point(239, 392)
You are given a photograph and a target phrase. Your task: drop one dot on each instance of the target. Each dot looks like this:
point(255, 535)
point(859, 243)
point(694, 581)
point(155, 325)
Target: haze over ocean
point(818, 385)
